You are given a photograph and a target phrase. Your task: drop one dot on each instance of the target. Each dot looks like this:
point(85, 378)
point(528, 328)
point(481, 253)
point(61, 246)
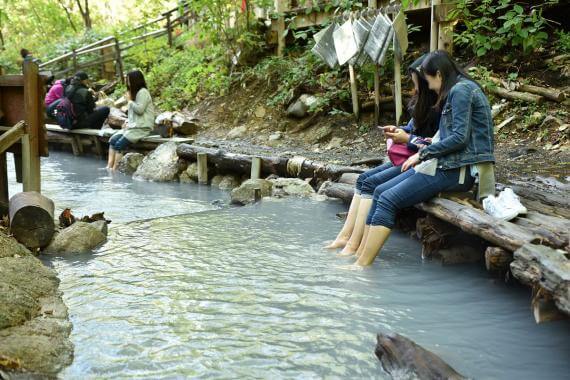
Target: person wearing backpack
point(85, 114)
point(140, 121)
point(54, 94)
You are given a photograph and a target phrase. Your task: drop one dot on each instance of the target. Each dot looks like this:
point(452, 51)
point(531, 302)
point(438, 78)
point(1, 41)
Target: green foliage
point(145, 54)
point(187, 76)
point(497, 25)
point(562, 42)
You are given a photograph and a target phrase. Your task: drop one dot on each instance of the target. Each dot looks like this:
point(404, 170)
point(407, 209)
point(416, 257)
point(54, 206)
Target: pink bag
point(398, 153)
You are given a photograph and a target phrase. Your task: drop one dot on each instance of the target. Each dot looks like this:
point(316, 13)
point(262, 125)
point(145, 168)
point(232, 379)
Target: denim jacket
point(414, 140)
point(466, 129)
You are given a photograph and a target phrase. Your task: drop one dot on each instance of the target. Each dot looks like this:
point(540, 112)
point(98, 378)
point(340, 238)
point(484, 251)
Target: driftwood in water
point(399, 354)
point(281, 166)
point(537, 265)
point(337, 190)
point(116, 118)
point(498, 259)
point(31, 219)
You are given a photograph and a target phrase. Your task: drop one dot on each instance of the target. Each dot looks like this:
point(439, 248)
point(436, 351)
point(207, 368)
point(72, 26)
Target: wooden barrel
point(31, 219)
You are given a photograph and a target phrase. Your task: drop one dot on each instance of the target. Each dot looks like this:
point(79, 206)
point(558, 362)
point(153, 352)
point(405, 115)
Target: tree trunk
point(68, 14)
point(31, 219)
point(85, 14)
point(399, 354)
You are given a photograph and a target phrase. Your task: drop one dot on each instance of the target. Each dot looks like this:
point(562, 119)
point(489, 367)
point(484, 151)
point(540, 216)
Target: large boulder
point(9, 247)
point(301, 106)
point(292, 186)
point(80, 237)
point(245, 193)
point(237, 132)
point(229, 182)
point(130, 162)
point(161, 165)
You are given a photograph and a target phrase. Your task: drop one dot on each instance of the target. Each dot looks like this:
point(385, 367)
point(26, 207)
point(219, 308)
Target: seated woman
point(140, 118)
point(464, 148)
point(423, 125)
point(54, 94)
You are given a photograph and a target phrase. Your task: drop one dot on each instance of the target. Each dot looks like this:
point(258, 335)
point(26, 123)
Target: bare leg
point(346, 230)
point(111, 159)
point(358, 231)
point(363, 241)
point(118, 157)
point(377, 236)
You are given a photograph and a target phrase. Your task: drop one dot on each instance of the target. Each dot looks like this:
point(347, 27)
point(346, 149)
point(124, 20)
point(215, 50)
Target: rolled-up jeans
point(411, 188)
point(369, 180)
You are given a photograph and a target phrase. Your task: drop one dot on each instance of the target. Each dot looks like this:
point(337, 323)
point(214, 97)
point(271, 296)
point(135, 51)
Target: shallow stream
point(184, 289)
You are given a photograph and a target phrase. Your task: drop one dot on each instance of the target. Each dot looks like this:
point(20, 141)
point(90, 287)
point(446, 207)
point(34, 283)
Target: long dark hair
point(135, 81)
point(440, 60)
point(421, 107)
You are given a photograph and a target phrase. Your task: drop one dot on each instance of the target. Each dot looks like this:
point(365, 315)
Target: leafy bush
point(563, 42)
point(493, 25)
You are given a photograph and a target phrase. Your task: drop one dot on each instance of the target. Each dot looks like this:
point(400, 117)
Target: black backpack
point(64, 113)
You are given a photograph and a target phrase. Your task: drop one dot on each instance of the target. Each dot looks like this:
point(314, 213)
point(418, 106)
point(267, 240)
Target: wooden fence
point(109, 53)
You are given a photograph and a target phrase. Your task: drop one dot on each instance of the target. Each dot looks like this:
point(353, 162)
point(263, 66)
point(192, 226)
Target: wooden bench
point(96, 136)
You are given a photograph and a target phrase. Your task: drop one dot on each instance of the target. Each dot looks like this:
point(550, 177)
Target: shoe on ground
point(508, 199)
point(493, 207)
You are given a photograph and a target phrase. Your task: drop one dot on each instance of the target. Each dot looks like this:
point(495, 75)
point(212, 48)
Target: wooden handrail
point(96, 48)
point(57, 59)
point(11, 137)
point(96, 43)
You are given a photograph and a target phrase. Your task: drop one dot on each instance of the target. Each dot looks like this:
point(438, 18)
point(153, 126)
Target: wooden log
point(399, 354)
point(498, 259)
point(202, 159)
point(503, 234)
point(337, 190)
point(13, 135)
point(538, 265)
point(549, 93)
point(180, 124)
point(31, 219)
point(373, 161)
point(516, 95)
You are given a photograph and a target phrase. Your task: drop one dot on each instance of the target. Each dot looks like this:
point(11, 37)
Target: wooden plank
point(9, 138)
point(397, 78)
point(4, 196)
point(441, 12)
point(11, 81)
point(30, 141)
point(43, 149)
point(434, 27)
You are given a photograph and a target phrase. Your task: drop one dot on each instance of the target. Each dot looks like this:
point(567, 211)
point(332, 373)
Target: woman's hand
point(128, 96)
point(399, 136)
point(411, 162)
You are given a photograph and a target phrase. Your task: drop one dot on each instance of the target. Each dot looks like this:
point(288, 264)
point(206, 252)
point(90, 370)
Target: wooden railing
point(23, 130)
point(110, 51)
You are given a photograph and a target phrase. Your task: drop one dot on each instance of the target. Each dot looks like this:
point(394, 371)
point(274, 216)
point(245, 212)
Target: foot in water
point(346, 253)
point(338, 243)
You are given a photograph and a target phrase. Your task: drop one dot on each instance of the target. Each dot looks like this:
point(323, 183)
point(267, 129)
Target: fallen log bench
point(76, 138)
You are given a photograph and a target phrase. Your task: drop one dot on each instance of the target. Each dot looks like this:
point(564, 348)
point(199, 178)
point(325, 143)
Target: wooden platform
point(79, 138)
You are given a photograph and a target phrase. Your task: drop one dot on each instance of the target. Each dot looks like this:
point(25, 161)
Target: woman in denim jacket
point(465, 140)
point(424, 124)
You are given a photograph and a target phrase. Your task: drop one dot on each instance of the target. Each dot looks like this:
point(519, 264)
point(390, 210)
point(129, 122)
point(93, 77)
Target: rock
point(551, 122)
point(237, 132)
point(275, 136)
point(301, 106)
point(80, 237)
point(130, 163)
point(185, 178)
point(121, 102)
point(161, 165)
point(260, 112)
point(216, 180)
point(245, 193)
point(335, 143)
point(101, 225)
point(292, 186)
point(192, 171)
point(10, 247)
point(116, 118)
point(229, 182)
point(535, 119)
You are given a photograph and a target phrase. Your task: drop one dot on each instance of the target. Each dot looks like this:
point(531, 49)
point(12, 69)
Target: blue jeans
point(119, 142)
point(369, 180)
point(412, 189)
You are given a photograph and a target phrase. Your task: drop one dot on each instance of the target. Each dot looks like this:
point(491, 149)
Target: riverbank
point(34, 323)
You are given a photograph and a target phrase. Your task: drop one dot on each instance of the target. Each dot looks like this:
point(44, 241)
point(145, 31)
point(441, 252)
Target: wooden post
point(434, 27)
point(30, 141)
point(373, 4)
point(257, 194)
point(4, 196)
point(255, 167)
point(18, 167)
point(202, 168)
point(119, 61)
point(397, 78)
point(354, 92)
point(169, 29)
point(109, 69)
point(74, 60)
point(280, 6)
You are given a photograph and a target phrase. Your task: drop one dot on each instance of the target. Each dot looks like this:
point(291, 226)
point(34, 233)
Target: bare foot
point(353, 267)
point(338, 243)
point(348, 250)
point(345, 253)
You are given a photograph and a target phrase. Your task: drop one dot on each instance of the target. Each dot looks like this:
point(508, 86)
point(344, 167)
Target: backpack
point(64, 113)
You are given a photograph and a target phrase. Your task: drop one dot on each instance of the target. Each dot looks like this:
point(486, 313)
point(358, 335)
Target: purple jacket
point(54, 93)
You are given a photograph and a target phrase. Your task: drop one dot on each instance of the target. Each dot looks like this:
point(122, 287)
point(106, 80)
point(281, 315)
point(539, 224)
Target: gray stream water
point(202, 292)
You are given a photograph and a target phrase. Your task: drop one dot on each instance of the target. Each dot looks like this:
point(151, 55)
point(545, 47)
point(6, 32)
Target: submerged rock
point(192, 171)
point(292, 186)
point(229, 182)
point(216, 180)
point(130, 163)
point(80, 237)
point(161, 165)
point(245, 193)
